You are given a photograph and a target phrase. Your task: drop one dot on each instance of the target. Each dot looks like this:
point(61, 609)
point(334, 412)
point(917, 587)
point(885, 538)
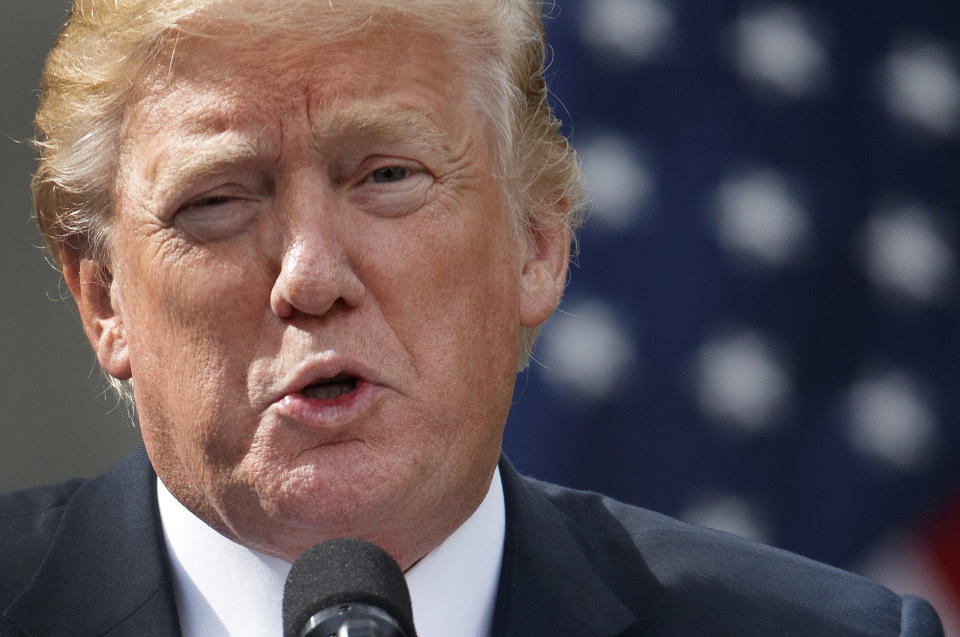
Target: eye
point(217, 216)
point(388, 174)
point(210, 201)
point(391, 189)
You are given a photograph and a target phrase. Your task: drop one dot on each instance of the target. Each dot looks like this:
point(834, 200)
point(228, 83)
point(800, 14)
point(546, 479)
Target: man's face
point(316, 291)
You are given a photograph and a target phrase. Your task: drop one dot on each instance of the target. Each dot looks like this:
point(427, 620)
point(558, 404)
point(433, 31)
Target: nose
point(315, 273)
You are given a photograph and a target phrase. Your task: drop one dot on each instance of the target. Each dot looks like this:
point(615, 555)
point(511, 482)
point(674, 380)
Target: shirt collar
point(223, 588)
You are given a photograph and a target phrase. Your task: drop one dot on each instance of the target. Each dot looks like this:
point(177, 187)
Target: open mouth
point(330, 388)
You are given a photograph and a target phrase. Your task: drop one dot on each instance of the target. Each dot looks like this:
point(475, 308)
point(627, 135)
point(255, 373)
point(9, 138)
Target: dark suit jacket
point(86, 557)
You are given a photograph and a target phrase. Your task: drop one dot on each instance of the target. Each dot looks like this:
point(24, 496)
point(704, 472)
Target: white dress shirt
point(225, 589)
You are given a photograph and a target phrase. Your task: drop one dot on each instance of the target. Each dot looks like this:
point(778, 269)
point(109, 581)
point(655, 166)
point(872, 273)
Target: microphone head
point(344, 571)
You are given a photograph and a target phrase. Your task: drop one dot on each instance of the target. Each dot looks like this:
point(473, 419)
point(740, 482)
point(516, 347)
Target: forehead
point(382, 79)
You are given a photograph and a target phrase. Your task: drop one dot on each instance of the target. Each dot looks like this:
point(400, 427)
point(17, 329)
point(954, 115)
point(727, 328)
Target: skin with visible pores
point(322, 211)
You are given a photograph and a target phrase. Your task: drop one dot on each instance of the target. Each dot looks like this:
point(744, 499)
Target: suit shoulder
point(708, 580)
point(37, 500)
point(29, 519)
point(602, 515)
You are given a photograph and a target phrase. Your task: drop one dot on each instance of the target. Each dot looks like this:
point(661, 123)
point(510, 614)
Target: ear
point(93, 290)
point(544, 273)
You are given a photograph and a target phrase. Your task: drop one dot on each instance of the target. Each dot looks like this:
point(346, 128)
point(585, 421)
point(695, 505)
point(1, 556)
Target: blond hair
point(107, 48)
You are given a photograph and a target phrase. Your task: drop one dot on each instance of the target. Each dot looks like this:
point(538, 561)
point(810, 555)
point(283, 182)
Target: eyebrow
point(389, 123)
point(201, 155)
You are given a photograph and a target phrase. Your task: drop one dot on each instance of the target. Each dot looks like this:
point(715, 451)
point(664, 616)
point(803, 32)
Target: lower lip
point(330, 412)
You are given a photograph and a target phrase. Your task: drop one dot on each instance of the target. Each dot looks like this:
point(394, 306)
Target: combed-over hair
point(108, 47)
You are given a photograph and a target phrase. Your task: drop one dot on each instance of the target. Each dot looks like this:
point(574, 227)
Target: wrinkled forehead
point(232, 81)
point(218, 100)
point(244, 75)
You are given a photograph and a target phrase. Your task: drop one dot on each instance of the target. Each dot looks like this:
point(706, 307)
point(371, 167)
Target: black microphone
point(346, 588)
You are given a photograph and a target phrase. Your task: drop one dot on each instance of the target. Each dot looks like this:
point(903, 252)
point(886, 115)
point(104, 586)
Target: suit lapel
point(547, 584)
point(106, 571)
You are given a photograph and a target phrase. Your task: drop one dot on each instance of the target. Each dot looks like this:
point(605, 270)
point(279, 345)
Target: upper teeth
point(332, 390)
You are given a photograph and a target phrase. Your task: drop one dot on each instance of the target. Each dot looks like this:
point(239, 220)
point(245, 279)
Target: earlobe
point(544, 273)
point(93, 288)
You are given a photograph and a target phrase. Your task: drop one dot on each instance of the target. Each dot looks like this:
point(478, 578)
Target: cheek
point(191, 323)
point(187, 298)
point(449, 291)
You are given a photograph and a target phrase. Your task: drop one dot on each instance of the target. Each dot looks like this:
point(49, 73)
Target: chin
point(333, 495)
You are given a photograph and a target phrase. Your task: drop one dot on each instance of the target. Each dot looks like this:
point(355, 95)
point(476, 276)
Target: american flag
point(761, 331)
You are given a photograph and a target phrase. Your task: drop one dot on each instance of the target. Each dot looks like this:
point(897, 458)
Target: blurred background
point(761, 332)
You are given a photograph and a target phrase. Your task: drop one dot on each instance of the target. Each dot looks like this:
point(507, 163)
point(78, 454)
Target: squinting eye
point(211, 201)
point(388, 174)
